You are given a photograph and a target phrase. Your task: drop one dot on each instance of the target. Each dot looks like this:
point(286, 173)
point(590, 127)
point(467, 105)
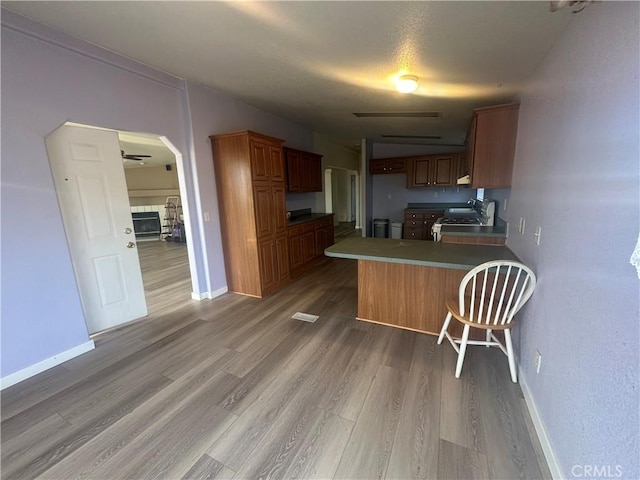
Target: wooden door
point(267, 256)
point(308, 246)
point(293, 172)
point(442, 170)
point(260, 161)
point(279, 205)
point(89, 178)
point(422, 172)
point(296, 252)
point(263, 206)
point(276, 164)
point(282, 257)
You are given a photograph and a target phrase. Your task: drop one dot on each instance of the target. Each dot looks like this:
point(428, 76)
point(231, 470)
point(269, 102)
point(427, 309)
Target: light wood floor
point(165, 275)
point(233, 387)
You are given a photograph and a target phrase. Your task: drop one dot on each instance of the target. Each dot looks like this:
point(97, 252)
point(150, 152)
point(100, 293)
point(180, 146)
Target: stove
point(460, 221)
point(484, 217)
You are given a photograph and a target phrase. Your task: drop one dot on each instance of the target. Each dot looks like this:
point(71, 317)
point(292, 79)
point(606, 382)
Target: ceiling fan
point(129, 156)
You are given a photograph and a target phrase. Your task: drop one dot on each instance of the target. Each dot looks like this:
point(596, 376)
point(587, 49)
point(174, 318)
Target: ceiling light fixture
point(407, 84)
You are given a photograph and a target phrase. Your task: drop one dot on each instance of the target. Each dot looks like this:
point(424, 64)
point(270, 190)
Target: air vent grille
point(398, 114)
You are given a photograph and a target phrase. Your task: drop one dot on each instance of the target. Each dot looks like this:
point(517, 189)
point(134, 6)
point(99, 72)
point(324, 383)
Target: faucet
point(472, 202)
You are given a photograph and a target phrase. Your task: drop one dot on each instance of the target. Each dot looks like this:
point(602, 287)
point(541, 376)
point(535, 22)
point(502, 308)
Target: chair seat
point(453, 307)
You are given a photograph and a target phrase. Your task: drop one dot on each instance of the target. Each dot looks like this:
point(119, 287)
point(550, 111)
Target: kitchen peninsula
point(405, 283)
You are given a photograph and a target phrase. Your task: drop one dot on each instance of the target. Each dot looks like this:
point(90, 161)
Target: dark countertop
point(435, 206)
point(499, 230)
point(306, 218)
point(418, 252)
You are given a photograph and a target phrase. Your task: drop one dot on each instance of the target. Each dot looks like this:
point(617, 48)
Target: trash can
point(381, 227)
point(396, 230)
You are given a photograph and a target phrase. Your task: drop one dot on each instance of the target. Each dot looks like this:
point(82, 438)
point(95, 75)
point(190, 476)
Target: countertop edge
point(293, 223)
point(422, 263)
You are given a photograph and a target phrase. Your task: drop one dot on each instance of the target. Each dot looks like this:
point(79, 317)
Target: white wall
point(577, 176)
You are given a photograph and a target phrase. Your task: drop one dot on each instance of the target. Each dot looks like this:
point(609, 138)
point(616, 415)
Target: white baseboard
point(549, 454)
point(40, 367)
point(209, 295)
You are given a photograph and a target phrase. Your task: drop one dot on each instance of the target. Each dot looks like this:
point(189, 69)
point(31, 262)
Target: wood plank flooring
point(236, 388)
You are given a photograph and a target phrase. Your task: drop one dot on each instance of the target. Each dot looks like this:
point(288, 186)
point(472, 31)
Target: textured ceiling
point(317, 63)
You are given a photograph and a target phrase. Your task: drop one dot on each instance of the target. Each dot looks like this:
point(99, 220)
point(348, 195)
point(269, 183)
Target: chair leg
point(444, 327)
point(511, 356)
point(463, 349)
point(488, 337)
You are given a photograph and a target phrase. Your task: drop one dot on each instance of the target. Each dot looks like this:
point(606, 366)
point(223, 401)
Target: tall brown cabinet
point(250, 177)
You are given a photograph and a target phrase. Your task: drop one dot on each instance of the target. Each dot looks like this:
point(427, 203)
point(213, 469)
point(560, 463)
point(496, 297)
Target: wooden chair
point(499, 288)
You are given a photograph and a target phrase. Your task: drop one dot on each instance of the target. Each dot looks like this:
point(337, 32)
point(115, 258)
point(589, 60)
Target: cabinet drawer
point(414, 223)
point(300, 229)
point(412, 233)
point(324, 222)
point(413, 216)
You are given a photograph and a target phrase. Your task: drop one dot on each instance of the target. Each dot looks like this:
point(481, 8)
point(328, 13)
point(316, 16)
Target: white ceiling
point(135, 144)
point(317, 63)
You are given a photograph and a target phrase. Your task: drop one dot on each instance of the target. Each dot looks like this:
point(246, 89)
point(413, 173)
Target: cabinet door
point(396, 166)
point(377, 167)
point(422, 172)
point(329, 236)
point(413, 233)
point(308, 246)
point(268, 263)
point(296, 255)
point(320, 242)
point(263, 203)
point(306, 174)
point(442, 171)
point(260, 161)
point(282, 257)
point(278, 194)
point(277, 164)
point(293, 172)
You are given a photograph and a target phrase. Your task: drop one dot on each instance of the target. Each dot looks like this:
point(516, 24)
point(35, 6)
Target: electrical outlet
point(521, 225)
point(504, 204)
point(506, 234)
point(435, 194)
point(388, 196)
point(537, 235)
point(206, 216)
point(538, 361)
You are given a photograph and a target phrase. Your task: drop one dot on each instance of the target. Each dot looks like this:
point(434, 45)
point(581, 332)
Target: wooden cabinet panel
point(441, 172)
point(296, 255)
point(308, 246)
point(276, 164)
point(491, 146)
point(417, 224)
point(260, 161)
point(282, 257)
point(387, 165)
point(268, 263)
point(263, 201)
point(250, 187)
point(304, 171)
point(421, 172)
point(279, 205)
point(308, 241)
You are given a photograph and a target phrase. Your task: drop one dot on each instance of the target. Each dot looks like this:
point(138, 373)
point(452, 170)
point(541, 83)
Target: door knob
point(131, 245)
point(127, 231)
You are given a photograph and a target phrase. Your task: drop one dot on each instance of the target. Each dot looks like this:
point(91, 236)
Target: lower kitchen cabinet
point(273, 257)
point(418, 223)
point(307, 242)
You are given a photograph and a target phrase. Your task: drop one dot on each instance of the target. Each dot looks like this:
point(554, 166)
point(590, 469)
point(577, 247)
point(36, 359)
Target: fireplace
point(146, 225)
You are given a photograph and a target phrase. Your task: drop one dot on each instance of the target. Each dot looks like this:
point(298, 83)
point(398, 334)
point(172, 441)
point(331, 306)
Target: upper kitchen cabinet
point(491, 145)
point(432, 171)
point(304, 170)
point(381, 166)
point(250, 179)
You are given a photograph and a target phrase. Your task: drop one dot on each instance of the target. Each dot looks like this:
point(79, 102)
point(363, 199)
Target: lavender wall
point(395, 186)
point(44, 86)
point(49, 78)
point(576, 175)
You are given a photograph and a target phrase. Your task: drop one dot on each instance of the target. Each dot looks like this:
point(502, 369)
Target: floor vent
point(305, 317)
